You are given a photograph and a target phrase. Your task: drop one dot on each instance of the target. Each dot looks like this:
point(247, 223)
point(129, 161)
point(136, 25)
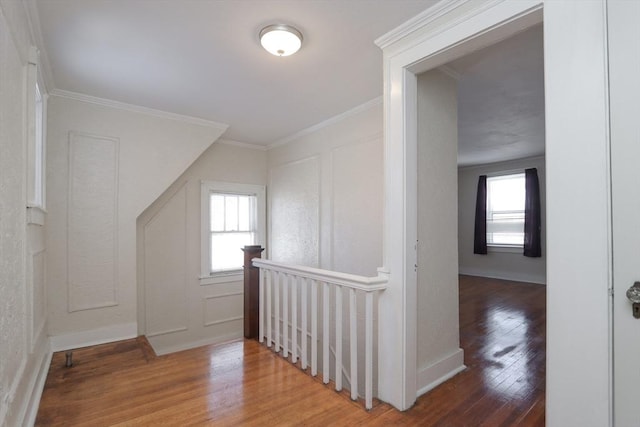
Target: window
point(505, 210)
point(36, 116)
point(38, 189)
point(233, 215)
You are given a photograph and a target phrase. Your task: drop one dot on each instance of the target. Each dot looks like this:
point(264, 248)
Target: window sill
point(234, 276)
point(505, 249)
point(36, 215)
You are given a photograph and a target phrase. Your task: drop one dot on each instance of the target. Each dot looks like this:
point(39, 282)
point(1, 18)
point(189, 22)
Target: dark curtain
point(532, 244)
point(480, 231)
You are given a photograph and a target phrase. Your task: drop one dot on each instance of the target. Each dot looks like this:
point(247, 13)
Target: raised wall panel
point(218, 309)
point(38, 299)
point(92, 222)
point(357, 208)
point(295, 204)
point(165, 273)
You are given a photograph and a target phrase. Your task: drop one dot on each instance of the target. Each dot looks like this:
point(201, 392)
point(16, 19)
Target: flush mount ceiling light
point(280, 39)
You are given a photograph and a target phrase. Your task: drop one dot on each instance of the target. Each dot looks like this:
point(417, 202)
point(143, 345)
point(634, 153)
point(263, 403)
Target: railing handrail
point(354, 281)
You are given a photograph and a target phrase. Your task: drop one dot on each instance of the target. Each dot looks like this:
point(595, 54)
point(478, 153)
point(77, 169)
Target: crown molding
point(137, 109)
point(326, 123)
point(419, 21)
point(242, 144)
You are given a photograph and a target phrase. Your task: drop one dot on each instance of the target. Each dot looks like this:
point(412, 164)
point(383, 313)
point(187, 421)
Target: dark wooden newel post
point(251, 290)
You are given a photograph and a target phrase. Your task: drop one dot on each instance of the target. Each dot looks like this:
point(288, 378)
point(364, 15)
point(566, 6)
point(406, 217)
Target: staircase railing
point(289, 299)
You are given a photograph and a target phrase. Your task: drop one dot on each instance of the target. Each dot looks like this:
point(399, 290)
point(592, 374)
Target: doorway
point(576, 137)
point(482, 114)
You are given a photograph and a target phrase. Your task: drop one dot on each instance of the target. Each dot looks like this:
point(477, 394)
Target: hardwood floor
point(502, 331)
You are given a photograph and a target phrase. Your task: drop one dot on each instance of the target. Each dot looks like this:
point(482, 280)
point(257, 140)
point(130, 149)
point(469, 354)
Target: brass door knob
point(633, 295)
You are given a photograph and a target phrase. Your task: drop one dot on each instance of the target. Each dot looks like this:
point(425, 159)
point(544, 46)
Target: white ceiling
point(501, 100)
point(202, 58)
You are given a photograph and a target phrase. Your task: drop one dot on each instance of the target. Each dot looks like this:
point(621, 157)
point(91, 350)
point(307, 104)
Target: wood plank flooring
point(502, 331)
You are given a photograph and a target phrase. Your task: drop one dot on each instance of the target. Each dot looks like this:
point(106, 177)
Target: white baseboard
point(193, 344)
point(38, 388)
point(97, 336)
point(496, 274)
point(437, 373)
point(23, 399)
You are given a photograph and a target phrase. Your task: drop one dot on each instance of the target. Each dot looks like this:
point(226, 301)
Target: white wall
point(325, 207)
point(438, 345)
point(578, 254)
point(497, 264)
point(176, 309)
point(325, 195)
point(24, 346)
point(109, 164)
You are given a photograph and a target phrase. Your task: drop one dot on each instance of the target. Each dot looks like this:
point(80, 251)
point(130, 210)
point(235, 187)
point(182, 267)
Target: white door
point(624, 69)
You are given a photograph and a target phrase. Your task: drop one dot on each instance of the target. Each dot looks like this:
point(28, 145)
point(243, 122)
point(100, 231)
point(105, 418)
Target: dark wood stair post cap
point(251, 290)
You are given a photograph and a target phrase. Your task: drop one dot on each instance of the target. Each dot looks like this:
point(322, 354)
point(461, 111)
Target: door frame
point(578, 368)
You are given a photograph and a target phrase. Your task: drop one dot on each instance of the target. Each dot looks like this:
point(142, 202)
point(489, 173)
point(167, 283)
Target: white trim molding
point(418, 22)
point(97, 156)
point(440, 371)
point(447, 31)
point(36, 215)
point(33, 18)
point(206, 188)
point(326, 123)
point(504, 275)
point(193, 344)
point(37, 387)
point(24, 394)
point(240, 144)
point(97, 336)
point(137, 109)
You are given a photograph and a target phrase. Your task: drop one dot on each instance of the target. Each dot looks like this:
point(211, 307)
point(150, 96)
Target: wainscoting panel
point(357, 207)
point(295, 210)
point(38, 297)
point(92, 243)
point(165, 263)
point(224, 308)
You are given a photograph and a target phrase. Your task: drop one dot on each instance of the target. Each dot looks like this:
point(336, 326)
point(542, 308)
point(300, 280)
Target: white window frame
point(502, 247)
point(36, 147)
point(206, 188)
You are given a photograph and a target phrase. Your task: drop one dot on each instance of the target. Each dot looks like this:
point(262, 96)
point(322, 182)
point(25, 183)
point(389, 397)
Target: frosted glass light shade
point(280, 40)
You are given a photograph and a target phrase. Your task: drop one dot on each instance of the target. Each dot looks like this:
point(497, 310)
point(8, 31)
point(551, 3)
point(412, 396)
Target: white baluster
point(314, 328)
point(325, 333)
point(338, 338)
point(278, 296)
point(294, 319)
point(353, 339)
point(269, 275)
point(261, 307)
point(304, 313)
point(285, 315)
point(368, 350)
point(276, 300)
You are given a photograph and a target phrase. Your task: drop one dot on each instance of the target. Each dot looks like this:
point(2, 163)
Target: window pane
point(506, 238)
point(217, 212)
point(39, 150)
point(506, 193)
point(244, 213)
point(505, 209)
point(231, 213)
point(226, 251)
